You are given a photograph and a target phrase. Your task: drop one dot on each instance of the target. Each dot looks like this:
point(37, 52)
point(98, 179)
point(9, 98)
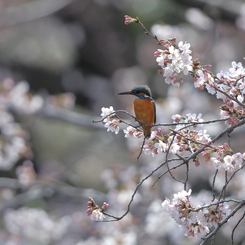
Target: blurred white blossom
point(22, 101)
point(35, 224)
point(26, 173)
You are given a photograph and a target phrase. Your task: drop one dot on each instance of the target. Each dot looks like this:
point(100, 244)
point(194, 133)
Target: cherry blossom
point(175, 61)
point(194, 220)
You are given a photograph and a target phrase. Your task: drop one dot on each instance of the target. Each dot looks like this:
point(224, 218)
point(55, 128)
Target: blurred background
point(75, 55)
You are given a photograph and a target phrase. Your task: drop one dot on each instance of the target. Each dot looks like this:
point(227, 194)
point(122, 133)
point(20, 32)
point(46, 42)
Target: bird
point(144, 107)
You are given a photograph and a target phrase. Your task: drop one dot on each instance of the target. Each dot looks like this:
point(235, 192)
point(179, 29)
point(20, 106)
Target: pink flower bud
point(129, 19)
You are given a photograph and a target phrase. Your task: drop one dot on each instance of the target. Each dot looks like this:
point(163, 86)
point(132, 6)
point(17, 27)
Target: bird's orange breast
point(145, 112)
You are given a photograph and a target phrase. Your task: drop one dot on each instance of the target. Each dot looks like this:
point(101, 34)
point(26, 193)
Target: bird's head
point(142, 92)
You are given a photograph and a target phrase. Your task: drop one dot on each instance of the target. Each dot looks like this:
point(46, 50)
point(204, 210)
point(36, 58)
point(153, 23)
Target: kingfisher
point(144, 107)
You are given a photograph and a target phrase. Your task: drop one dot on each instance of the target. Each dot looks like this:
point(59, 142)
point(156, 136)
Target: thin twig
point(217, 203)
point(167, 171)
point(213, 183)
point(233, 231)
point(191, 124)
point(228, 181)
point(131, 200)
point(147, 32)
point(141, 148)
point(226, 184)
point(114, 114)
point(187, 175)
point(133, 195)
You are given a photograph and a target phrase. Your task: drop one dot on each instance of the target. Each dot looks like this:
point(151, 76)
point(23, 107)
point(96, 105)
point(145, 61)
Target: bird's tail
point(147, 131)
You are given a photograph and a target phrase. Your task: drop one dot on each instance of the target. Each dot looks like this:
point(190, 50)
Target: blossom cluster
point(230, 162)
point(174, 61)
point(94, 211)
point(184, 138)
point(187, 137)
point(228, 86)
point(110, 119)
point(195, 220)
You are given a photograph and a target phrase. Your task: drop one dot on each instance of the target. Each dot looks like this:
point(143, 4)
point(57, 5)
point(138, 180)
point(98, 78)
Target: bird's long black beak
point(126, 92)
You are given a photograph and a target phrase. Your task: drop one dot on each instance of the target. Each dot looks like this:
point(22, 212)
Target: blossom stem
point(148, 32)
